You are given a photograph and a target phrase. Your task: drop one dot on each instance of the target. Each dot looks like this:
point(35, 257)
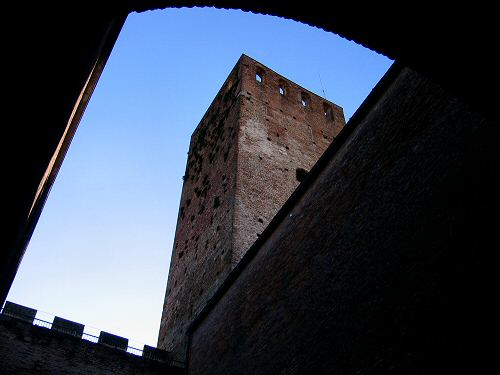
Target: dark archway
point(56, 54)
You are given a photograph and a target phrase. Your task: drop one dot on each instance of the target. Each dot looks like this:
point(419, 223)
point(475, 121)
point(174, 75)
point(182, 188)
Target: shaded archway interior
point(56, 54)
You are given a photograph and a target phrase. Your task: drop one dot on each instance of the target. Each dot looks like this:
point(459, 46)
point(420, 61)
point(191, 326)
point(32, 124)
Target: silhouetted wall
point(379, 262)
point(27, 349)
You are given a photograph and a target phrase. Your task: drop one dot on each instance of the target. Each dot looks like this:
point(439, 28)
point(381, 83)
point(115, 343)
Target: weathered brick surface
point(31, 350)
point(241, 168)
point(379, 266)
point(201, 256)
point(277, 136)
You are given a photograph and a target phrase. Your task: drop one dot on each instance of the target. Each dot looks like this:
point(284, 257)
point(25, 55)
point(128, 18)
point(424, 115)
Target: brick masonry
point(27, 349)
point(259, 136)
point(381, 265)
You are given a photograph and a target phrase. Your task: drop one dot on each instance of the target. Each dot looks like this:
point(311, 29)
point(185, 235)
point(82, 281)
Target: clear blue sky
point(101, 250)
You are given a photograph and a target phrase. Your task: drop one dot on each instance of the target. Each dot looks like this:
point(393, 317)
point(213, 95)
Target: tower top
point(244, 57)
point(250, 69)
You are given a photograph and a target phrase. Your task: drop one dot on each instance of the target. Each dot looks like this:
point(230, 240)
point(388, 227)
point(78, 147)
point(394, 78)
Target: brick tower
point(255, 143)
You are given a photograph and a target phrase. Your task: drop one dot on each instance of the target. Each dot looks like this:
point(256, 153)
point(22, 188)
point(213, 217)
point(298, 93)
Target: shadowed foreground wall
point(27, 349)
point(380, 264)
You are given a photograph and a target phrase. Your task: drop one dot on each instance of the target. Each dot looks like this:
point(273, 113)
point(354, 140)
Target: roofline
point(289, 80)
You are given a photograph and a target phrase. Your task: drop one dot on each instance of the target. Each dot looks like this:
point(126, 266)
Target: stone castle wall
point(283, 130)
point(381, 263)
point(201, 256)
point(258, 138)
point(33, 350)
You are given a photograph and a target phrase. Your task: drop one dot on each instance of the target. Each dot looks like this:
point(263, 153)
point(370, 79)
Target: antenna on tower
point(321, 84)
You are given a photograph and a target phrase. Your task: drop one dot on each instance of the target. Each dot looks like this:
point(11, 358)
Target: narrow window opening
point(327, 109)
point(304, 99)
point(216, 202)
point(259, 75)
point(282, 87)
point(300, 174)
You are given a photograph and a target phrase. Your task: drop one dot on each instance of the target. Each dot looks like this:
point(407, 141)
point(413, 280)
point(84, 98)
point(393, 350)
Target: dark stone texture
point(113, 341)
point(14, 310)
point(157, 354)
point(26, 349)
point(380, 265)
point(67, 326)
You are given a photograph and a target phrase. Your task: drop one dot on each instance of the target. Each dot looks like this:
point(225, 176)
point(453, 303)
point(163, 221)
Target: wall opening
point(282, 88)
point(300, 174)
point(327, 109)
point(259, 75)
point(304, 100)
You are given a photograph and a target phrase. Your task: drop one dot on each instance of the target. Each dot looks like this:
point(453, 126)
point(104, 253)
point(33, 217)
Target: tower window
point(282, 88)
point(327, 109)
point(259, 75)
point(304, 99)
